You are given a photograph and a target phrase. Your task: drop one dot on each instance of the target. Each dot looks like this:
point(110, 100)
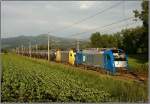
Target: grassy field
point(138, 64)
point(32, 80)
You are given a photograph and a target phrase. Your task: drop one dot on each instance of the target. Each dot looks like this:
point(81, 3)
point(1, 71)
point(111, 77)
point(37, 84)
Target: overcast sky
point(40, 17)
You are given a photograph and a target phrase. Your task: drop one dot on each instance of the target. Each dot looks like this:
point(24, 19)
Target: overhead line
point(119, 26)
point(103, 26)
point(104, 30)
point(91, 16)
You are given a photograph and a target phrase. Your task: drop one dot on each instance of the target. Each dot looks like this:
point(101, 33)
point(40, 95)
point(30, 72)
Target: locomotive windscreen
point(119, 58)
point(119, 55)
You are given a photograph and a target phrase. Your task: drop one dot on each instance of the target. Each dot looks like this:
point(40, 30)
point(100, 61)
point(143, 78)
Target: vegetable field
point(31, 80)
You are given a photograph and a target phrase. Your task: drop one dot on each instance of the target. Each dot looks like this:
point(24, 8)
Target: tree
point(103, 40)
point(118, 38)
point(143, 15)
point(131, 39)
point(96, 40)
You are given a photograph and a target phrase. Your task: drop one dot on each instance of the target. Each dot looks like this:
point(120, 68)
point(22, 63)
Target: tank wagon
point(39, 54)
point(62, 56)
point(58, 55)
point(72, 58)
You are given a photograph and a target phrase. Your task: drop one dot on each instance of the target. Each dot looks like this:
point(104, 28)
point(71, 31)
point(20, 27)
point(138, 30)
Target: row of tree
point(133, 40)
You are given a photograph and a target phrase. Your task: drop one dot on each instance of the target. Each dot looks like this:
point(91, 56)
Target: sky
point(65, 18)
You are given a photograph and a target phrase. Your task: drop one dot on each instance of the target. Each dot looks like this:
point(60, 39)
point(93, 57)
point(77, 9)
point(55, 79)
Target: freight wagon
point(39, 54)
point(62, 56)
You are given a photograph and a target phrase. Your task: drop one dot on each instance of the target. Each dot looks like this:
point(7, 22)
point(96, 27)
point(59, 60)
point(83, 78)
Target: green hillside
point(56, 42)
point(30, 80)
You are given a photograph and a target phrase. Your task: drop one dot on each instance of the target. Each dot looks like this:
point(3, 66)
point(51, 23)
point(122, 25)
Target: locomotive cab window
point(119, 55)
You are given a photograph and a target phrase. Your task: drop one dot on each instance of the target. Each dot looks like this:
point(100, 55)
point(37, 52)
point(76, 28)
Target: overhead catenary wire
point(116, 22)
point(122, 26)
point(86, 18)
point(108, 29)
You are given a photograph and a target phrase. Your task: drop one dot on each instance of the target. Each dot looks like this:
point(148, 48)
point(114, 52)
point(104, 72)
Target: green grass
point(32, 80)
point(138, 64)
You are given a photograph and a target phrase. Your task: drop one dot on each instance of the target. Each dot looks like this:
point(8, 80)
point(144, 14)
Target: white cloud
point(88, 4)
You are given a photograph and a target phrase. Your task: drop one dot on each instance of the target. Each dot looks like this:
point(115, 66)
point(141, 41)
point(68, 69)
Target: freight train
point(108, 59)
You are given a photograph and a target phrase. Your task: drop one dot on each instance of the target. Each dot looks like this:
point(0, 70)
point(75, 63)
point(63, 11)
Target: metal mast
point(48, 49)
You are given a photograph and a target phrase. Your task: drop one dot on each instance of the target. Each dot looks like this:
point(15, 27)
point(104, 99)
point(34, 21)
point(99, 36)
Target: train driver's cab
point(120, 59)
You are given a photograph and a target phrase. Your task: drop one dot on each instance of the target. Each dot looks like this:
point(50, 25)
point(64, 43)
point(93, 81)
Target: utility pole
point(48, 49)
point(22, 49)
point(77, 44)
point(16, 50)
point(36, 48)
point(30, 49)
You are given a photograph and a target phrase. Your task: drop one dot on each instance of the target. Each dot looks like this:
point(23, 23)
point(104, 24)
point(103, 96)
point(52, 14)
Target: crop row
point(30, 80)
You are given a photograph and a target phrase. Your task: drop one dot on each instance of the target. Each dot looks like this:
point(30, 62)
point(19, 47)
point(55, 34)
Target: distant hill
point(56, 42)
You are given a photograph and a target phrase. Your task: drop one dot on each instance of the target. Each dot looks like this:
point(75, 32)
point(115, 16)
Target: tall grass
point(138, 64)
point(31, 80)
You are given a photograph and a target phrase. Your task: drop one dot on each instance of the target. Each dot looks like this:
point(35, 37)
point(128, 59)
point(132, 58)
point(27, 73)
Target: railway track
point(121, 72)
point(125, 74)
